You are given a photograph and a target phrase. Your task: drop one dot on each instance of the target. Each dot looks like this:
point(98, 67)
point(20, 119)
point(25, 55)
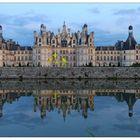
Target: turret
point(130, 30)
point(85, 29)
point(68, 31)
point(35, 37)
point(42, 29)
point(130, 42)
point(1, 33)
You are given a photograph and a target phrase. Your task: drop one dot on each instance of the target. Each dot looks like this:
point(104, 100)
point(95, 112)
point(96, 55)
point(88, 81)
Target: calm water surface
point(64, 108)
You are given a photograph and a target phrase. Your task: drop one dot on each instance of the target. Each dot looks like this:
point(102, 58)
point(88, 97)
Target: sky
point(109, 22)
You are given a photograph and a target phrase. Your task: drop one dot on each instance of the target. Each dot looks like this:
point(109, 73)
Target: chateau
point(68, 49)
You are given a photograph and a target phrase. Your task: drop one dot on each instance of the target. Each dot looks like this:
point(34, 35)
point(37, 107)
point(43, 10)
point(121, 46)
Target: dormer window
point(53, 41)
point(64, 43)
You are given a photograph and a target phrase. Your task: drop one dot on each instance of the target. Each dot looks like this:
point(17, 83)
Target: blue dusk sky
point(108, 21)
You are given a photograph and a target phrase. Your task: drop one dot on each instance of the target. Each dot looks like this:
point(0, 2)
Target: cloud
point(94, 11)
point(127, 11)
point(20, 27)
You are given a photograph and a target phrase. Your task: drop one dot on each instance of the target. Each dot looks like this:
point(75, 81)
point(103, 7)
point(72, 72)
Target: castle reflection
point(66, 101)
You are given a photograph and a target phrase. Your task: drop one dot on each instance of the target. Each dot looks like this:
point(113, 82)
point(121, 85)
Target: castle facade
point(66, 49)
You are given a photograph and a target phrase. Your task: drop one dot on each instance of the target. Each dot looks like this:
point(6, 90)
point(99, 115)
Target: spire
point(64, 28)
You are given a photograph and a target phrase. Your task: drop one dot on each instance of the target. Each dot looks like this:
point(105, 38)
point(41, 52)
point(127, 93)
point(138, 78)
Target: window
point(114, 58)
point(111, 57)
point(25, 58)
point(97, 57)
point(137, 57)
point(39, 39)
point(73, 41)
point(107, 57)
point(137, 51)
point(101, 57)
point(124, 57)
point(39, 57)
point(118, 58)
point(30, 58)
point(18, 58)
point(104, 57)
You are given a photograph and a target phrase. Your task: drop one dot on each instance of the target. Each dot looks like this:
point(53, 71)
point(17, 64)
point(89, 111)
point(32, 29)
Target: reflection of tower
point(35, 103)
point(64, 106)
point(130, 99)
point(91, 102)
point(59, 104)
point(84, 108)
point(68, 104)
point(131, 102)
point(44, 106)
point(1, 105)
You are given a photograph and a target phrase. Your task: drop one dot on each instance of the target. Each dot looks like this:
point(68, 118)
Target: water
point(85, 108)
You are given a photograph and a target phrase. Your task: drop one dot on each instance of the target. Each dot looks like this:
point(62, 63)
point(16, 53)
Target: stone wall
point(75, 72)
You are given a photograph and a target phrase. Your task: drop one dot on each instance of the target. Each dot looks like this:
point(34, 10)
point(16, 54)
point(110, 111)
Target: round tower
point(0, 31)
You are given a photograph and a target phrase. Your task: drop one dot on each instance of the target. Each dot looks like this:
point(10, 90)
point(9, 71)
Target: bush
point(135, 65)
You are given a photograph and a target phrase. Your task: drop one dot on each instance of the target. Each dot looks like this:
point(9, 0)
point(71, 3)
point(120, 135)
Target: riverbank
point(112, 73)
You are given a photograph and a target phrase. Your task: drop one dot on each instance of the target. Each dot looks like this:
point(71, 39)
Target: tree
point(3, 64)
point(28, 64)
point(19, 64)
point(135, 65)
point(119, 64)
point(38, 64)
point(90, 64)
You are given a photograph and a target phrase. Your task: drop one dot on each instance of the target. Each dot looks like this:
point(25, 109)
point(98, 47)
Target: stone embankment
point(73, 73)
